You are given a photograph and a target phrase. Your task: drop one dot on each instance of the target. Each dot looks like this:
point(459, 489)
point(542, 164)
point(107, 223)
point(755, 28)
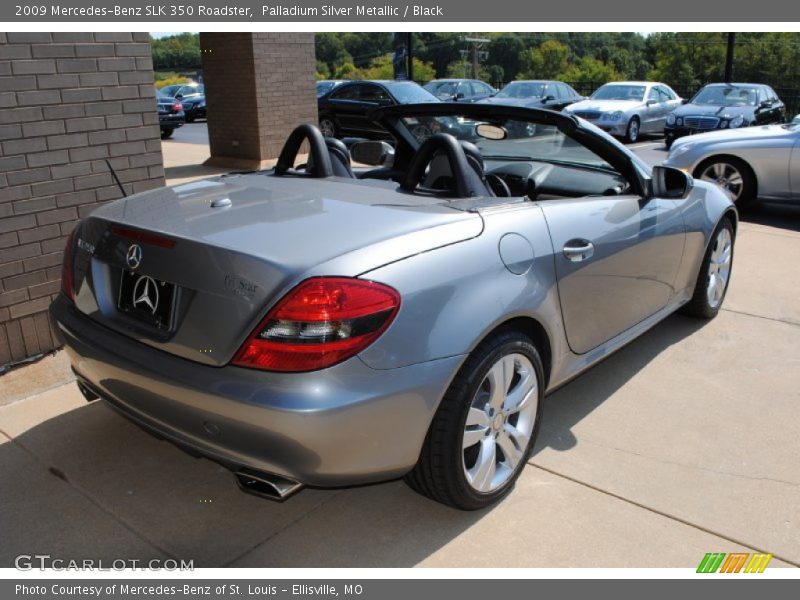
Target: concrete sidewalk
point(685, 442)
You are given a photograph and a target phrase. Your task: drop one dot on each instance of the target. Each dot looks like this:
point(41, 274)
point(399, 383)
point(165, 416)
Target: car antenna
point(114, 175)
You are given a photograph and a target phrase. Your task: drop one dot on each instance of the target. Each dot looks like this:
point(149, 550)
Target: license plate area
point(147, 300)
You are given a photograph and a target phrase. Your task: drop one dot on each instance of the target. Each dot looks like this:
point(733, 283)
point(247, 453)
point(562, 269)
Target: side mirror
point(670, 183)
point(684, 101)
point(178, 96)
point(650, 102)
point(765, 104)
point(373, 153)
point(385, 102)
point(548, 98)
point(459, 96)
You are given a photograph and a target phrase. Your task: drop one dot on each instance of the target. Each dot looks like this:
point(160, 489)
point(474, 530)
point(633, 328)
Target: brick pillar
point(67, 102)
point(259, 86)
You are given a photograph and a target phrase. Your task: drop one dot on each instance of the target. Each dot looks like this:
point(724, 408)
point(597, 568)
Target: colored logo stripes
point(735, 562)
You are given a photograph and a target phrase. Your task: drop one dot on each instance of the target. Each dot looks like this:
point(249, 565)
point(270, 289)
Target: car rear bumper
point(171, 122)
point(345, 425)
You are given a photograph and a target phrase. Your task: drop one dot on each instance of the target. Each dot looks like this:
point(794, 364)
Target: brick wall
point(270, 78)
point(67, 102)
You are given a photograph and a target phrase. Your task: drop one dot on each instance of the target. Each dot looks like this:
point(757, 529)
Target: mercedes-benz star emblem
point(134, 256)
point(145, 294)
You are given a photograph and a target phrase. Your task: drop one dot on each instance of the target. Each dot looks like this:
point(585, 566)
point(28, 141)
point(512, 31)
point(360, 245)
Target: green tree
point(589, 70)
point(176, 52)
point(546, 61)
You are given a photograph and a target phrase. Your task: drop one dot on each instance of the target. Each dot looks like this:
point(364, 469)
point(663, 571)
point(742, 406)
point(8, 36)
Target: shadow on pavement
point(774, 214)
point(113, 491)
point(569, 405)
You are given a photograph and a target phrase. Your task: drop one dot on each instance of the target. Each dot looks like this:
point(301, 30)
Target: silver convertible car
point(756, 162)
point(324, 325)
point(628, 109)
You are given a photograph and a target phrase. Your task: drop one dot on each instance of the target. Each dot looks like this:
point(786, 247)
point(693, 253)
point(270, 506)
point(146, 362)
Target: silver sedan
point(757, 162)
point(629, 108)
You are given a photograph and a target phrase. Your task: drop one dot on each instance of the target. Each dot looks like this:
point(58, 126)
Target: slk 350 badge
point(239, 286)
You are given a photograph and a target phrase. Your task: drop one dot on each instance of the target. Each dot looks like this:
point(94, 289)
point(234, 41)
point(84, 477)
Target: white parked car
point(627, 109)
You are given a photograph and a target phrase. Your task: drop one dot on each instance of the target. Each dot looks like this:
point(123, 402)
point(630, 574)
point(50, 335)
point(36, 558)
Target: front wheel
point(632, 132)
point(715, 274)
point(485, 427)
point(732, 176)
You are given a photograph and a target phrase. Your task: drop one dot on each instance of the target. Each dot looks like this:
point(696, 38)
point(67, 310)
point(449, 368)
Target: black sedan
point(725, 106)
point(460, 90)
point(192, 97)
point(555, 95)
point(343, 111)
point(170, 114)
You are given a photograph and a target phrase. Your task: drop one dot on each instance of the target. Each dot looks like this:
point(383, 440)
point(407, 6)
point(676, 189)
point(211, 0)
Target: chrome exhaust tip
point(267, 485)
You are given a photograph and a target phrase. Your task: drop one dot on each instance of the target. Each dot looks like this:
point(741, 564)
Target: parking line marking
point(646, 145)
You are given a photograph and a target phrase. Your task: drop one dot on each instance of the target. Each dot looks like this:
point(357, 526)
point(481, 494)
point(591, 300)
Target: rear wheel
point(484, 429)
point(632, 132)
point(328, 126)
point(732, 176)
point(715, 273)
point(166, 133)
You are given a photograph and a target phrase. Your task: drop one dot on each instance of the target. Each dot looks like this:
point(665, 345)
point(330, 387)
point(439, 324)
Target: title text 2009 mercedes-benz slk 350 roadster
point(326, 325)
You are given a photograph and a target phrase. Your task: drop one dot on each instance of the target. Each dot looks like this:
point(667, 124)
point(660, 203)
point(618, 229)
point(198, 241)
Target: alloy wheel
point(727, 177)
point(500, 423)
point(719, 268)
point(327, 127)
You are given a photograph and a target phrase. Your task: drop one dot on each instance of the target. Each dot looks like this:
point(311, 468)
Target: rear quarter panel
point(454, 296)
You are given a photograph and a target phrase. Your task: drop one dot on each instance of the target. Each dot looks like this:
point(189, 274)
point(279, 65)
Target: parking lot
point(685, 442)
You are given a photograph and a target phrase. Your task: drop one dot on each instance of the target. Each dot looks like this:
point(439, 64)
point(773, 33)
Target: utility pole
point(410, 54)
point(729, 58)
point(477, 43)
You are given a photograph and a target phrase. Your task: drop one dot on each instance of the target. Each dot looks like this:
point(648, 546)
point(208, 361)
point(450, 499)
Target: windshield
point(410, 93)
point(620, 92)
point(521, 141)
point(323, 87)
point(726, 95)
point(522, 89)
point(442, 89)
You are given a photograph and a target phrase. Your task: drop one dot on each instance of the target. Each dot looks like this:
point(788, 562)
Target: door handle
point(578, 250)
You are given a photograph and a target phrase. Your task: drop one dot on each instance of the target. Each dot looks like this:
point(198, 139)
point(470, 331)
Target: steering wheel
point(465, 181)
point(319, 161)
point(498, 185)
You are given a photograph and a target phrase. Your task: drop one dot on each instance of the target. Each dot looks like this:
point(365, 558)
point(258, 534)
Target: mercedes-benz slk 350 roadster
point(400, 314)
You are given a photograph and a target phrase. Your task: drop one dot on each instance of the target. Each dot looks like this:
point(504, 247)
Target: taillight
point(67, 279)
point(321, 322)
point(177, 107)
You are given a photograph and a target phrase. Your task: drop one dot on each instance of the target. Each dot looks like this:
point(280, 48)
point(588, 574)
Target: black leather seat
point(340, 158)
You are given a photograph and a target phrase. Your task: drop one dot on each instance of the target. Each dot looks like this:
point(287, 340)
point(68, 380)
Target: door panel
point(794, 170)
point(616, 262)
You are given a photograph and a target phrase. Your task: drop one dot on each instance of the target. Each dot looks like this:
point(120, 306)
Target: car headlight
point(679, 149)
point(736, 121)
point(201, 104)
point(612, 116)
point(671, 119)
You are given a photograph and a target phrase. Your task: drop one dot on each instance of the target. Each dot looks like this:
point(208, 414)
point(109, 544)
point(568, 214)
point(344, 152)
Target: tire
point(716, 267)
point(327, 126)
point(733, 176)
point(190, 119)
point(668, 142)
point(479, 475)
point(633, 130)
point(166, 133)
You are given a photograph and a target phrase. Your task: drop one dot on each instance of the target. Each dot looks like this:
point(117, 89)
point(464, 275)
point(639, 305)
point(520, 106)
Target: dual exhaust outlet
point(258, 483)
